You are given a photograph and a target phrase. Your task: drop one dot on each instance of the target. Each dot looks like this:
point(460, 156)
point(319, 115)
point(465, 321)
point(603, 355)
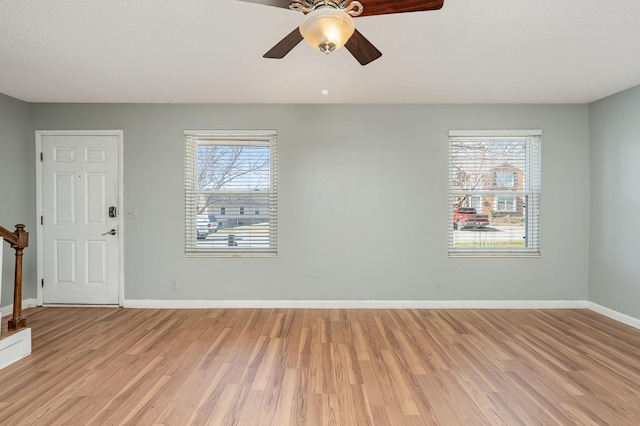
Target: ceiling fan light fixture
point(327, 29)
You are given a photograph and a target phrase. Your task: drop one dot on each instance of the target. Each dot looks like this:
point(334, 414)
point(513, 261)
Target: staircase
point(15, 342)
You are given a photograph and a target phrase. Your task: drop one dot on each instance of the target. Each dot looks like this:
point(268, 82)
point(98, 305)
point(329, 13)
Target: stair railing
point(19, 240)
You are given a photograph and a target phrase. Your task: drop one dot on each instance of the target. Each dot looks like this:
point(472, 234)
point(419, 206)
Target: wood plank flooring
point(105, 366)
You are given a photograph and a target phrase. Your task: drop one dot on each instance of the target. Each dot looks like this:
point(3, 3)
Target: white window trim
point(494, 133)
point(230, 137)
point(532, 193)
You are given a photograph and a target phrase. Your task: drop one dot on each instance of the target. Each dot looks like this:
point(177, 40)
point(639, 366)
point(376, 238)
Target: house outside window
point(226, 172)
point(494, 193)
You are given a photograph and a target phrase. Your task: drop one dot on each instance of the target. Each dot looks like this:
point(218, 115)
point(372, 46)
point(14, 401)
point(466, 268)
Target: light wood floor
point(279, 367)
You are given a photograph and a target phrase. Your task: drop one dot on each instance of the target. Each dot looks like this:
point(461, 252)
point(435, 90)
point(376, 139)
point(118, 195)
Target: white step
point(14, 347)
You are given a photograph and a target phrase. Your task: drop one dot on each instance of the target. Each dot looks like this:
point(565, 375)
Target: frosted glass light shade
point(327, 29)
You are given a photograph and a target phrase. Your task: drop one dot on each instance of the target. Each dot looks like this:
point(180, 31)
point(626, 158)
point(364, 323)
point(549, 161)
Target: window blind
point(494, 193)
point(230, 193)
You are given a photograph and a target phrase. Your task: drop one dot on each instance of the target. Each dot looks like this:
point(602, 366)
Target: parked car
point(206, 224)
point(468, 217)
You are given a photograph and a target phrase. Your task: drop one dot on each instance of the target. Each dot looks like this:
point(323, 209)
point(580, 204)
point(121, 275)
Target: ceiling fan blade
point(285, 45)
point(277, 3)
point(362, 49)
point(372, 7)
point(387, 7)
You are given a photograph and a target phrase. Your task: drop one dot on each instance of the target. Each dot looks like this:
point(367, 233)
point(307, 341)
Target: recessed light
point(325, 92)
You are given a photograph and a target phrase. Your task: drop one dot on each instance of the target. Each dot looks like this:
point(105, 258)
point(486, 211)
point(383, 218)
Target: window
point(224, 172)
point(505, 204)
point(506, 179)
point(476, 203)
point(494, 193)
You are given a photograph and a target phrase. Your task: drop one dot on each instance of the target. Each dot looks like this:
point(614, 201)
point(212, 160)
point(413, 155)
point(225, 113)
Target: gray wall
point(364, 164)
point(614, 267)
point(17, 192)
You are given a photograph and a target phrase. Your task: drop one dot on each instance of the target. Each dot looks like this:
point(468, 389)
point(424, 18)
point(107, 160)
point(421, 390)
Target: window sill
point(494, 254)
point(230, 255)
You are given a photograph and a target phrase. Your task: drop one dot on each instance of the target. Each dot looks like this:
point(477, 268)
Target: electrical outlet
point(132, 214)
point(174, 285)
point(438, 286)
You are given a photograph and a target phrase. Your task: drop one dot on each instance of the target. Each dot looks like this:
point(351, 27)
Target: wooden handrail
point(19, 240)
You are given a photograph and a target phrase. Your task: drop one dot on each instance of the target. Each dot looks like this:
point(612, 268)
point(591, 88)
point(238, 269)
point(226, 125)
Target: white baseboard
point(26, 303)
point(15, 347)
point(367, 304)
point(620, 317)
point(357, 304)
point(383, 304)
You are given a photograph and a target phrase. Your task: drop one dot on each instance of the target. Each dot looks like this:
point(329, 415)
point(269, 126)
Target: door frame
point(39, 199)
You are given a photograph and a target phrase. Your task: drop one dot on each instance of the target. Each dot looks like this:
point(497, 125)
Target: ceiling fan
point(328, 24)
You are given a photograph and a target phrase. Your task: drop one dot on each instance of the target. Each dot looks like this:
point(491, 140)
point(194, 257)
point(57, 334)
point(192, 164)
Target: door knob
point(112, 232)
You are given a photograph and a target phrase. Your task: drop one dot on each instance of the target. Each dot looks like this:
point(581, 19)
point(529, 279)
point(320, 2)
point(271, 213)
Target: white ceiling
point(210, 51)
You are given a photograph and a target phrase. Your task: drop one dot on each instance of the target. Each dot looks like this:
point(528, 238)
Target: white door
point(80, 223)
